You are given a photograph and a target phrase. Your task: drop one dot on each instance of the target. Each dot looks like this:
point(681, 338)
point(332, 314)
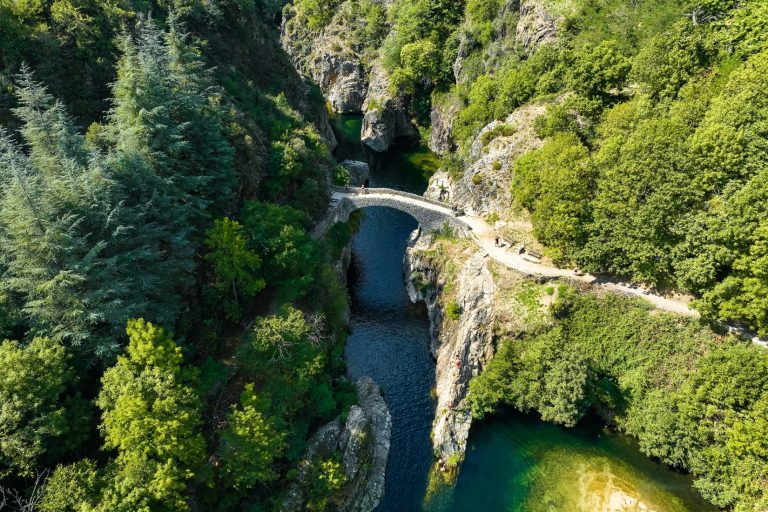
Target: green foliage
point(278, 235)
point(327, 478)
point(250, 443)
point(151, 415)
point(598, 70)
point(555, 183)
point(297, 163)
point(95, 236)
point(669, 61)
point(287, 353)
point(38, 419)
point(420, 49)
point(685, 395)
point(164, 110)
point(500, 130)
point(453, 165)
point(317, 13)
point(235, 267)
point(101, 228)
point(453, 310)
point(418, 65)
point(480, 15)
point(72, 488)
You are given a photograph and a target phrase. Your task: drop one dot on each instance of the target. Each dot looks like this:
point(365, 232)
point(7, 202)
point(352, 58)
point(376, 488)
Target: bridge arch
point(431, 215)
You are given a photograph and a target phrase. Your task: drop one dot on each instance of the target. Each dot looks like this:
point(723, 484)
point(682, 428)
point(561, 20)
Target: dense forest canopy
point(157, 192)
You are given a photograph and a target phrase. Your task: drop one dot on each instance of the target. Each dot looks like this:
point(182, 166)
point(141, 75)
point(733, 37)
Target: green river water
point(514, 462)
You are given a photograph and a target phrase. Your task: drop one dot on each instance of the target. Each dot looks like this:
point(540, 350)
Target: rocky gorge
point(461, 345)
point(349, 74)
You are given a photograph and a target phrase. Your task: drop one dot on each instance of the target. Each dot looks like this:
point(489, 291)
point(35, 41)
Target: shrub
point(453, 310)
point(501, 130)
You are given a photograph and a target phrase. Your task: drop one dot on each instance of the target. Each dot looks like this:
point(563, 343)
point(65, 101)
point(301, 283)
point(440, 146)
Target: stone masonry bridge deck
point(431, 215)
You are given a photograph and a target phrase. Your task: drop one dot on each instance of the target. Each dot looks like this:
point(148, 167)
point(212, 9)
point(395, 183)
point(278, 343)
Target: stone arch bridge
point(430, 214)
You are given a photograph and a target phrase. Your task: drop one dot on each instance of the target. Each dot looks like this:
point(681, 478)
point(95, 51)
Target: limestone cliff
point(461, 346)
point(485, 186)
point(348, 72)
point(362, 443)
point(442, 117)
point(330, 57)
point(386, 116)
point(538, 24)
point(472, 302)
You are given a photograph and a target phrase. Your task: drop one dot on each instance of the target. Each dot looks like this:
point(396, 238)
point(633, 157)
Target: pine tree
point(161, 110)
point(89, 240)
point(52, 208)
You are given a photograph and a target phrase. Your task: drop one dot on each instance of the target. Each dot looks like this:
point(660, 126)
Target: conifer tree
point(89, 240)
point(163, 109)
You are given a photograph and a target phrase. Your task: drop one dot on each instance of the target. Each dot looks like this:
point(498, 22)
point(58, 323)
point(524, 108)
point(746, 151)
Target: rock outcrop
point(359, 172)
point(330, 57)
point(385, 116)
point(442, 117)
point(537, 25)
point(461, 348)
point(519, 25)
point(362, 442)
point(484, 187)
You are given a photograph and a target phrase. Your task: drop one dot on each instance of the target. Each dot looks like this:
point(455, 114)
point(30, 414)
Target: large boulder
point(359, 172)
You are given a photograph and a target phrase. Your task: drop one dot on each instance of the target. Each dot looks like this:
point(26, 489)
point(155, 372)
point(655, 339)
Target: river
point(515, 462)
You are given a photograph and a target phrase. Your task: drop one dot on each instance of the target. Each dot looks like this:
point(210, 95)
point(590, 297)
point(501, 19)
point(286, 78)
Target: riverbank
point(390, 341)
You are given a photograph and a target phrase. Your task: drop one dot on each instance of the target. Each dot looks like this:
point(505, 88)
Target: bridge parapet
point(430, 214)
point(389, 191)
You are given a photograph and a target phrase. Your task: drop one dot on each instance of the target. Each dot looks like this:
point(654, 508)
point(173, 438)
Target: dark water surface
point(514, 462)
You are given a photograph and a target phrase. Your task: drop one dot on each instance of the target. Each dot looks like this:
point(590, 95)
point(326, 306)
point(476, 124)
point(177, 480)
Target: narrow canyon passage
point(514, 462)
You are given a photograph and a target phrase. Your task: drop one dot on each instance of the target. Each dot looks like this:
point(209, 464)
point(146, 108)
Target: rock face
point(485, 186)
point(363, 443)
point(442, 117)
point(344, 82)
point(385, 116)
point(461, 348)
point(330, 57)
point(537, 25)
point(324, 127)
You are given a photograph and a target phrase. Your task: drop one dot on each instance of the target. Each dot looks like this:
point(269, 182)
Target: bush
point(453, 310)
point(500, 130)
